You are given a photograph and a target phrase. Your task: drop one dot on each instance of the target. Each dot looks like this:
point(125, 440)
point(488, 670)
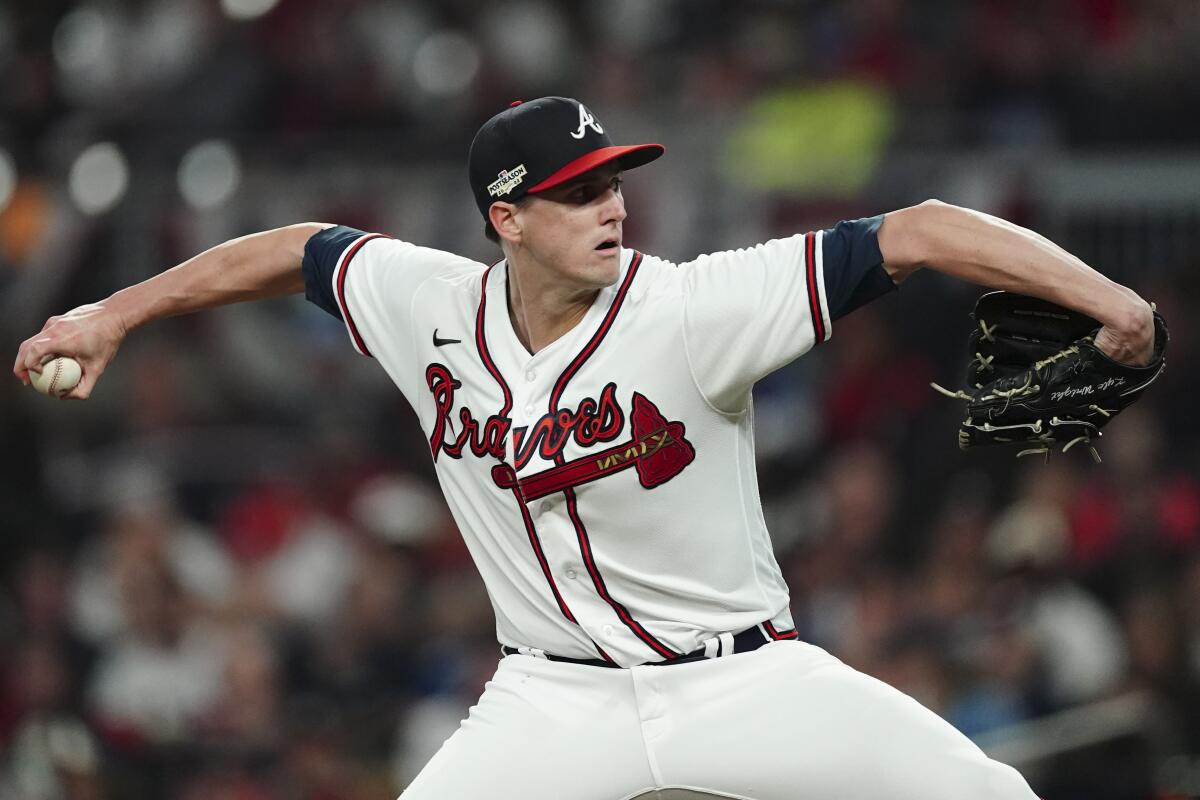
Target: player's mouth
point(609, 244)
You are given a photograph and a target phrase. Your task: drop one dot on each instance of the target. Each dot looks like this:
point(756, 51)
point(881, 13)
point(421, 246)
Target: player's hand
point(90, 334)
point(1133, 344)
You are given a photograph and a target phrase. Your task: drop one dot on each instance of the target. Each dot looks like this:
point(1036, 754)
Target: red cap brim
point(630, 156)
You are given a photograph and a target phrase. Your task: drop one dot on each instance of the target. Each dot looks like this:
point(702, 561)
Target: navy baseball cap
point(532, 146)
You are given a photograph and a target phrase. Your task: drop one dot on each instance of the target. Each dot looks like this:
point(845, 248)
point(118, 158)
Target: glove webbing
point(1029, 387)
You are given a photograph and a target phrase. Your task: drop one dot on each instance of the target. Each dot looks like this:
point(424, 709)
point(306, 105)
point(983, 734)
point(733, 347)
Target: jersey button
point(530, 375)
point(529, 408)
point(544, 507)
point(572, 574)
point(608, 630)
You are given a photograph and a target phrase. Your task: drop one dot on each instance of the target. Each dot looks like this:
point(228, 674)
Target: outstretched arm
point(992, 252)
point(249, 268)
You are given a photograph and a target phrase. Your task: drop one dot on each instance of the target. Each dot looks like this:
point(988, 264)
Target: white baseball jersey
point(605, 485)
point(606, 489)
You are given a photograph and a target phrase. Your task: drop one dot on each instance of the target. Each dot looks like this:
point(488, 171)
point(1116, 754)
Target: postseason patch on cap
point(507, 180)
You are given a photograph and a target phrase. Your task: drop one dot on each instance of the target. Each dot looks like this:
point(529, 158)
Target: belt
point(723, 644)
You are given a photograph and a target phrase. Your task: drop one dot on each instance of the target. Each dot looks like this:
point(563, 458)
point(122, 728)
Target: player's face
point(574, 230)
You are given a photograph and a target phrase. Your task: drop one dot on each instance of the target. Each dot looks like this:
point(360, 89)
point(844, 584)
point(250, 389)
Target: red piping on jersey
point(561, 384)
point(481, 346)
point(777, 635)
point(541, 557)
point(814, 293)
point(585, 547)
point(527, 521)
point(341, 291)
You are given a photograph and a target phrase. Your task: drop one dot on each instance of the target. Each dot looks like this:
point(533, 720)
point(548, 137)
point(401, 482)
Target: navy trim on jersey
point(322, 252)
point(854, 273)
point(327, 257)
point(585, 546)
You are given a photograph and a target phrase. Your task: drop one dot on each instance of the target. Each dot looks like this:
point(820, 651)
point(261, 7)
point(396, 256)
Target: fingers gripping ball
point(58, 377)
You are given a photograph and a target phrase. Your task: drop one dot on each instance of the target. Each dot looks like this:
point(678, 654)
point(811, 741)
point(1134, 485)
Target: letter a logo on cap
point(586, 120)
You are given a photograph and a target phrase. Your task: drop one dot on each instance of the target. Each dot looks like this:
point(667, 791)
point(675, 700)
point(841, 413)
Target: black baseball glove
point(1037, 378)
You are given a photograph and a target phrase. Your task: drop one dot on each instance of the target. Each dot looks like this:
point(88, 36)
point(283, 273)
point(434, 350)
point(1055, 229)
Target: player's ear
point(503, 217)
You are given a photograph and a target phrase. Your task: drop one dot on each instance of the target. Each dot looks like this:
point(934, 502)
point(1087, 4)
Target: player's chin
point(607, 261)
point(606, 272)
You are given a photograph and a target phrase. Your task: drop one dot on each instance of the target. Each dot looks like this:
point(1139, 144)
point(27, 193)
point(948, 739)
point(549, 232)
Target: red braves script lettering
point(593, 421)
point(659, 450)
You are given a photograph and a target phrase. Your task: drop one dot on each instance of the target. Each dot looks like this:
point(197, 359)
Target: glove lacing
point(1044, 438)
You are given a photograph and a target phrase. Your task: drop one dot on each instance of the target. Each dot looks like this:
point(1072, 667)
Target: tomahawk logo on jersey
point(605, 485)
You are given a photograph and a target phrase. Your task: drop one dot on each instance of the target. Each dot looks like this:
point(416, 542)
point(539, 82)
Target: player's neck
point(541, 311)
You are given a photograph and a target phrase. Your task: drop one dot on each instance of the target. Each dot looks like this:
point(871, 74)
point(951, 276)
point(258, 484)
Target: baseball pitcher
point(588, 411)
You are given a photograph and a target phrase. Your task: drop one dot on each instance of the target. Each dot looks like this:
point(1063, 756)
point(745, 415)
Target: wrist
point(124, 311)
point(1128, 333)
point(1132, 317)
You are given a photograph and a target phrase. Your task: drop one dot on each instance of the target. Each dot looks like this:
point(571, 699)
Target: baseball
point(59, 376)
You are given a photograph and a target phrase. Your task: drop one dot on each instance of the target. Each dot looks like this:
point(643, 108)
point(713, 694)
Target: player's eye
point(587, 192)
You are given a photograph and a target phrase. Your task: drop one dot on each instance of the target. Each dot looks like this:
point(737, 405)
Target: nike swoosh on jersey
point(438, 342)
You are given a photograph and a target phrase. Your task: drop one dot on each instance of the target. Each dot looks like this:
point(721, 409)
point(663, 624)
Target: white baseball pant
point(785, 722)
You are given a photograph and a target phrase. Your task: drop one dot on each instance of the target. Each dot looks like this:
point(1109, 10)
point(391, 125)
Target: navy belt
point(716, 647)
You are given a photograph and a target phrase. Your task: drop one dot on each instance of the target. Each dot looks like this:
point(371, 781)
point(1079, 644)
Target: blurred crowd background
point(230, 574)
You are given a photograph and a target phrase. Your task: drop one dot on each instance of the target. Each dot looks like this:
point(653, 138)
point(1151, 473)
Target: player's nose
point(614, 207)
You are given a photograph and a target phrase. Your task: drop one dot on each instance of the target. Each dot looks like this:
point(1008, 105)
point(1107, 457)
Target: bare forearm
point(991, 252)
point(252, 267)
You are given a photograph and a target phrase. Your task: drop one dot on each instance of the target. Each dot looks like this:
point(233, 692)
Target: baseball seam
point(57, 372)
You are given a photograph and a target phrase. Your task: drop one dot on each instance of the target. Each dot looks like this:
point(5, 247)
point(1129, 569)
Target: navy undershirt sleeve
point(854, 273)
point(321, 254)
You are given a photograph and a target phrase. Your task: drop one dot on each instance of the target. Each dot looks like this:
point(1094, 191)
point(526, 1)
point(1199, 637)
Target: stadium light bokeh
point(99, 178)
